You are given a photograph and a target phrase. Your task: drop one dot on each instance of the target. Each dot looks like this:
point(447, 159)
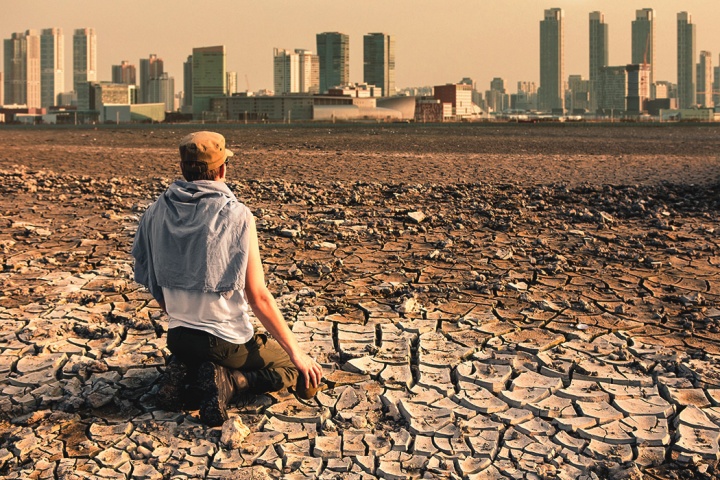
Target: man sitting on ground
point(196, 249)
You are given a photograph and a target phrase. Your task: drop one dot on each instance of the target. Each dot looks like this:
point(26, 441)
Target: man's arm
point(266, 310)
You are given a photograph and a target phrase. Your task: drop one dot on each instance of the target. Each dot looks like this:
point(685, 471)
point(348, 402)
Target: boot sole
point(170, 393)
point(212, 413)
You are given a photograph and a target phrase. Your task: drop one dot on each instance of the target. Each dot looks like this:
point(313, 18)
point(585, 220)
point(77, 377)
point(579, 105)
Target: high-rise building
point(208, 77)
point(2, 88)
point(286, 78)
point(663, 89)
point(613, 90)
point(705, 80)
point(379, 61)
point(526, 96)
point(599, 52)
point(22, 69)
point(187, 82)
point(643, 40)
point(496, 99)
point(497, 84)
point(295, 72)
point(151, 67)
point(476, 96)
point(686, 71)
point(52, 66)
point(578, 100)
point(333, 48)
point(638, 87)
point(84, 64)
point(124, 73)
point(231, 82)
point(161, 89)
point(716, 84)
point(551, 94)
point(309, 71)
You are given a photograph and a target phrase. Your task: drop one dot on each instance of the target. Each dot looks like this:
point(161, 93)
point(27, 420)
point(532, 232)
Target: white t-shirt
point(225, 316)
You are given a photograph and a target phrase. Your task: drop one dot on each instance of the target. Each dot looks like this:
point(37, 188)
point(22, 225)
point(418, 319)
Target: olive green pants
point(264, 363)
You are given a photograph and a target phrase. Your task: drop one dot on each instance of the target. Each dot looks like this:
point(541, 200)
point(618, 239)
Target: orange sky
point(437, 41)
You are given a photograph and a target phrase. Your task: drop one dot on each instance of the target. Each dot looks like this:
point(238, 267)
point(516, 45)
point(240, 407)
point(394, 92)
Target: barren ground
point(487, 301)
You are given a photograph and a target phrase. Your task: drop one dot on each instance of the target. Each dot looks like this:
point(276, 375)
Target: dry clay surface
point(487, 302)
point(619, 154)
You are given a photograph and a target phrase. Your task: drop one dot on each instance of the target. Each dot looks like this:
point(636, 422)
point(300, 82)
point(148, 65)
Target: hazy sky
point(437, 41)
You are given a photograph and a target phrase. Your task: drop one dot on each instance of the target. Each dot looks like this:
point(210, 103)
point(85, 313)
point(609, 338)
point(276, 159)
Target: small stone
point(416, 216)
point(234, 432)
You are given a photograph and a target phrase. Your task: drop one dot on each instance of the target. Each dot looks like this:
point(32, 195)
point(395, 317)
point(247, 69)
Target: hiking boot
point(218, 389)
point(171, 392)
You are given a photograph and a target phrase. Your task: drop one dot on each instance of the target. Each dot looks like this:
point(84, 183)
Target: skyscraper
point(151, 67)
point(613, 92)
point(643, 40)
point(333, 48)
point(161, 89)
point(598, 54)
point(705, 80)
point(84, 64)
point(231, 83)
point(208, 77)
point(496, 99)
point(309, 71)
point(124, 73)
point(187, 82)
point(379, 61)
point(295, 72)
point(52, 66)
point(638, 87)
point(578, 98)
point(22, 69)
point(716, 84)
point(552, 61)
point(285, 72)
point(686, 71)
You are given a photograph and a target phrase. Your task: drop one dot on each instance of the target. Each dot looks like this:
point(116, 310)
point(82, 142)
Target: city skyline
point(426, 51)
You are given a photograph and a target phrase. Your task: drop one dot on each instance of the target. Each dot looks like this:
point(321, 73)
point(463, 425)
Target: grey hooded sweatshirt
point(194, 237)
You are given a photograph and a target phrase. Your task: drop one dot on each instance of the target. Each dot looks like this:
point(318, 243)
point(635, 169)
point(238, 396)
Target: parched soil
point(535, 301)
point(619, 154)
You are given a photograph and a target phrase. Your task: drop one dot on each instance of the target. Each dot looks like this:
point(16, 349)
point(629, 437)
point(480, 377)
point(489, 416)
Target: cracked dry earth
point(467, 330)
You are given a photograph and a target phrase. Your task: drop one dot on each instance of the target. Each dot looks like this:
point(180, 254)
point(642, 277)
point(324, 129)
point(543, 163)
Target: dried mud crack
point(467, 329)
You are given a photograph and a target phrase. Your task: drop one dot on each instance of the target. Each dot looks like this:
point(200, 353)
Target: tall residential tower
point(187, 84)
point(551, 94)
point(705, 81)
point(643, 40)
point(686, 70)
point(22, 69)
point(295, 72)
point(150, 68)
point(333, 48)
point(84, 64)
point(124, 73)
point(52, 66)
point(598, 54)
point(208, 77)
point(379, 61)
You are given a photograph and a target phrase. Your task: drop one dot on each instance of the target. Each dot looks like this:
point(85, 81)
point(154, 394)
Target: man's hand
point(309, 368)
